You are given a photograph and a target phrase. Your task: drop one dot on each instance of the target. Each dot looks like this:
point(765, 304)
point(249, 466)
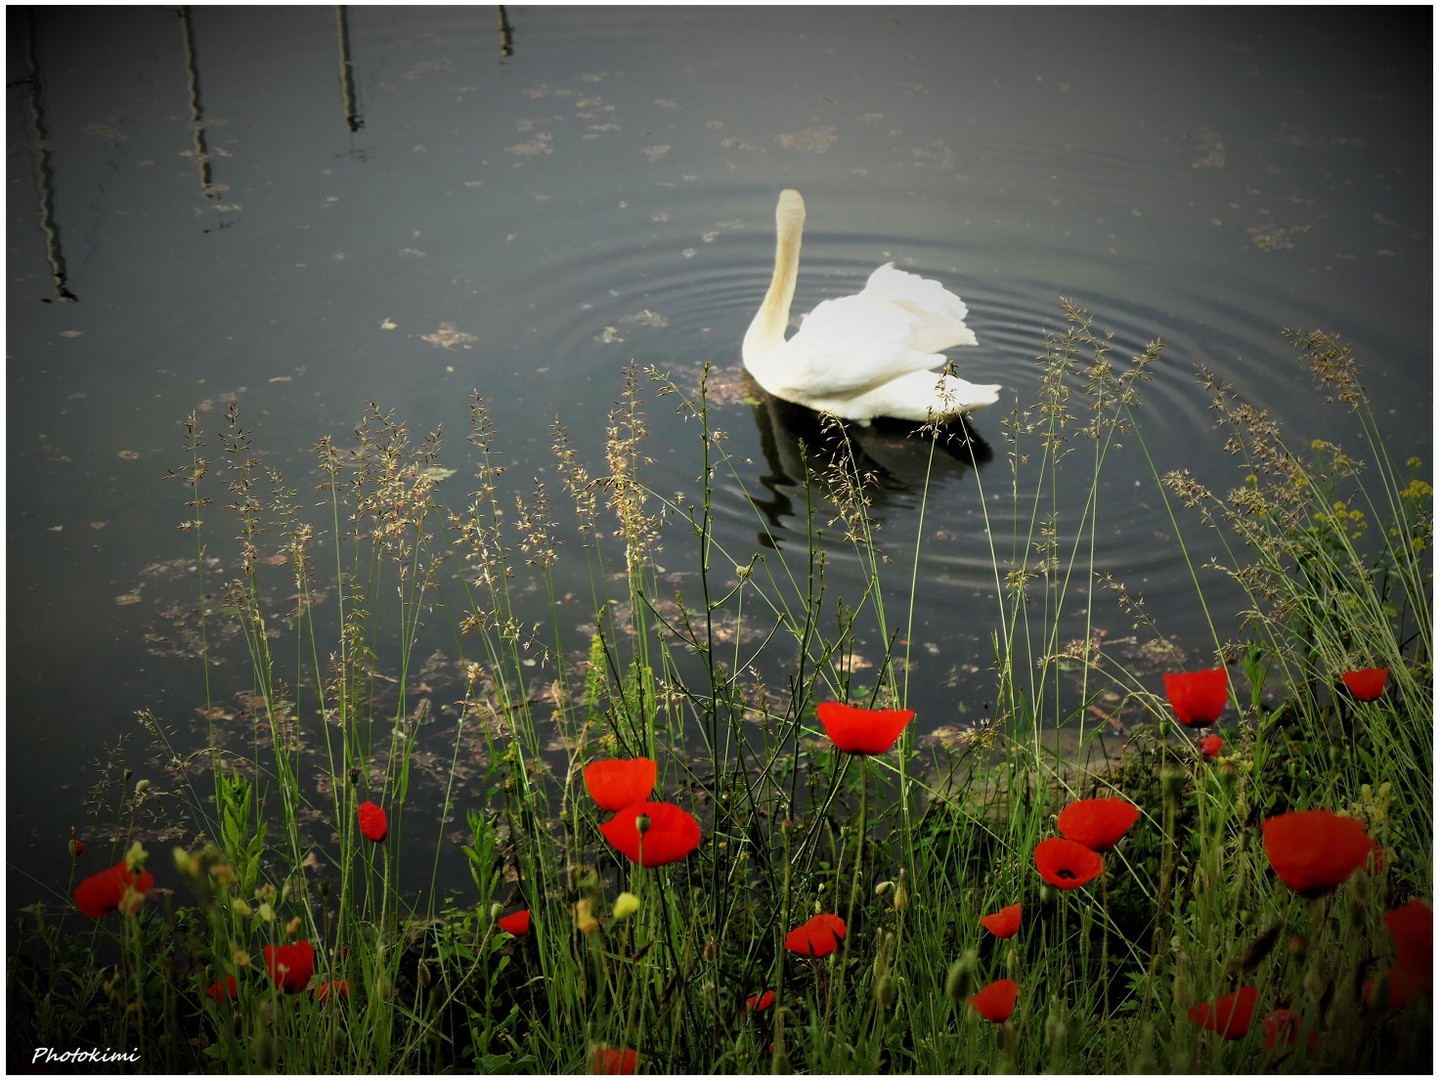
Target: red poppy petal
point(290, 966)
point(818, 936)
point(1313, 851)
point(1067, 864)
point(373, 823)
point(996, 1001)
point(1097, 823)
point(1004, 923)
point(1367, 684)
point(1411, 929)
point(617, 783)
point(610, 1061)
point(673, 833)
point(101, 893)
point(1197, 696)
point(1229, 1015)
point(516, 923)
point(862, 731)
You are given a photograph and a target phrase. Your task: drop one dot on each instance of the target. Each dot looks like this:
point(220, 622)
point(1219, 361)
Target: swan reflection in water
point(895, 457)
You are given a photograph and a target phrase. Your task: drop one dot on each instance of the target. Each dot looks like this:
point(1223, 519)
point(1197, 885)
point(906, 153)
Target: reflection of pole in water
point(502, 25)
point(43, 175)
point(201, 153)
point(347, 77)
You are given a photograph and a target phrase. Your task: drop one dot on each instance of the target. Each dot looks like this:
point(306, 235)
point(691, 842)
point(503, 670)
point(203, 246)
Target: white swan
point(863, 356)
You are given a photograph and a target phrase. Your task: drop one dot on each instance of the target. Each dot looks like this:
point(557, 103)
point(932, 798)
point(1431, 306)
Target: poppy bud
point(1056, 1029)
point(241, 908)
point(135, 857)
point(141, 787)
point(76, 847)
point(961, 979)
point(884, 887)
point(496, 911)
point(886, 990)
point(267, 912)
point(642, 823)
point(263, 1047)
point(422, 973)
point(1172, 782)
point(1228, 773)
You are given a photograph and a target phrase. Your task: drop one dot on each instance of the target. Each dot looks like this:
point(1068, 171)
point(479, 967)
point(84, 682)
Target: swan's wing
point(853, 343)
point(937, 315)
point(922, 396)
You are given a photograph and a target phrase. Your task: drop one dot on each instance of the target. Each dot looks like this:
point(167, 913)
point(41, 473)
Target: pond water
point(309, 209)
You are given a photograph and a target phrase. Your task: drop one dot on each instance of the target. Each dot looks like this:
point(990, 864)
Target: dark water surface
point(213, 206)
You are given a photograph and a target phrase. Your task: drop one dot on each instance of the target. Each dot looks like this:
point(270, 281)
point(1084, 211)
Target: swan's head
point(790, 211)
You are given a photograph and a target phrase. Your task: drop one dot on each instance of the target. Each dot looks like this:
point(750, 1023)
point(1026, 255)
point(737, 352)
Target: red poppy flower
point(517, 923)
point(1410, 926)
point(1313, 851)
point(322, 992)
point(1282, 1026)
point(373, 824)
point(617, 783)
point(818, 936)
point(290, 966)
point(101, 893)
point(1005, 922)
point(1197, 696)
point(610, 1061)
point(760, 1001)
point(1097, 823)
point(223, 989)
point(673, 834)
point(1067, 864)
point(1402, 985)
point(1366, 684)
point(862, 731)
point(1229, 1015)
point(997, 1001)
point(77, 848)
point(1211, 747)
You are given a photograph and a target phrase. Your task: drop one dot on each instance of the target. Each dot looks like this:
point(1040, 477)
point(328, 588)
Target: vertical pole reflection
point(502, 26)
point(353, 121)
point(44, 178)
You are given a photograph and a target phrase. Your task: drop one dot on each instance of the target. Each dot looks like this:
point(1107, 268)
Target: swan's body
point(859, 357)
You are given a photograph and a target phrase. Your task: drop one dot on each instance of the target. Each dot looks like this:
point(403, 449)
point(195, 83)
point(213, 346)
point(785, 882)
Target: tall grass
point(710, 660)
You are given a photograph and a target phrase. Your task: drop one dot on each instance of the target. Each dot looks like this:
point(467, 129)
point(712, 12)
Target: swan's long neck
point(769, 325)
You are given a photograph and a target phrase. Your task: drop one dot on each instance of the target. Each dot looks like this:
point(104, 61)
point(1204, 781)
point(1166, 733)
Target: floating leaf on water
point(646, 317)
point(279, 378)
point(811, 140)
point(71, 333)
point(448, 336)
point(128, 455)
point(132, 597)
point(388, 323)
